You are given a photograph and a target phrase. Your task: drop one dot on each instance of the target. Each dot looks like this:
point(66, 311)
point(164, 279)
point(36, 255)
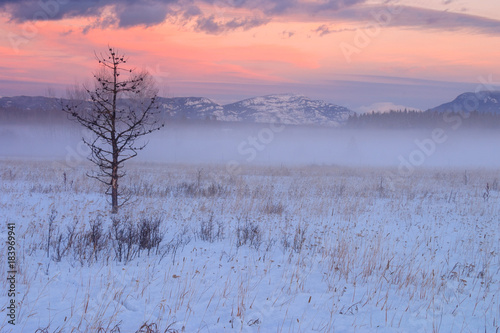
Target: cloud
point(212, 26)
point(192, 11)
point(101, 23)
point(149, 14)
point(324, 30)
point(152, 12)
point(35, 10)
point(287, 34)
point(444, 20)
point(267, 7)
point(335, 5)
point(128, 13)
point(251, 13)
point(418, 18)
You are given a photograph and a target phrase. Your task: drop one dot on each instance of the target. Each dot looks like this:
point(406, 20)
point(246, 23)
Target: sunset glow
point(333, 50)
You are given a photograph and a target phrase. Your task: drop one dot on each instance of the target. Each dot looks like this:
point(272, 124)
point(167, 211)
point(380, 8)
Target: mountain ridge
point(288, 109)
point(482, 102)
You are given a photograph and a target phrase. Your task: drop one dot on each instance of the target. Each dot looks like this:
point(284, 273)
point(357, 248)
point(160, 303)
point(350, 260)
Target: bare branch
point(119, 110)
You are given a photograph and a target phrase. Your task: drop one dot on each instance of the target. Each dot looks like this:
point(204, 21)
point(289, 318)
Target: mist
point(237, 144)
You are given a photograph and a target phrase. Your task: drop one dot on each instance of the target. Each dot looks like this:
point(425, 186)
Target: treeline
point(40, 116)
point(404, 119)
point(50, 112)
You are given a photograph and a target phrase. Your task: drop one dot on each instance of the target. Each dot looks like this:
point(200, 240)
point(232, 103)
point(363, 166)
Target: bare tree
point(118, 110)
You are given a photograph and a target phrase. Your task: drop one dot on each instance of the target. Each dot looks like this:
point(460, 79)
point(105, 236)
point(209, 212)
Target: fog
point(263, 144)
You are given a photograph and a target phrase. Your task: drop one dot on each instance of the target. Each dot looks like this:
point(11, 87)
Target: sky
point(363, 54)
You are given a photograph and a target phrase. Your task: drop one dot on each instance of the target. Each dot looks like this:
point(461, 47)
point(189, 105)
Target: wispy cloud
point(152, 12)
point(324, 30)
point(213, 26)
point(287, 34)
point(250, 14)
point(418, 18)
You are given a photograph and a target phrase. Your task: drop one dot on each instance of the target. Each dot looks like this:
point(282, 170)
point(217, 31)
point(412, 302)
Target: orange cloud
point(282, 51)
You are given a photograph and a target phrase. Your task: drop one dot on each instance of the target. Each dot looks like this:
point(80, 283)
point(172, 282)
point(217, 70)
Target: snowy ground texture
point(273, 249)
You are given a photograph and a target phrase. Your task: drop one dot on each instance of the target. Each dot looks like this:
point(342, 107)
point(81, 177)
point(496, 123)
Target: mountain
point(482, 102)
point(287, 109)
point(284, 109)
point(30, 109)
point(191, 108)
point(28, 103)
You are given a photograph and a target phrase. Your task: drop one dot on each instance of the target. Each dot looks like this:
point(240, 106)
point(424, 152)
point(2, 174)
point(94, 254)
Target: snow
point(340, 249)
point(288, 109)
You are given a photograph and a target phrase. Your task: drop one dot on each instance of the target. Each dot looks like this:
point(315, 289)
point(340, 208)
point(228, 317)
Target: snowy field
point(271, 249)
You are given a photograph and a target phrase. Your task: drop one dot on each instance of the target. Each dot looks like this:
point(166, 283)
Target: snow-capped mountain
point(482, 102)
point(287, 109)
point(191, 108)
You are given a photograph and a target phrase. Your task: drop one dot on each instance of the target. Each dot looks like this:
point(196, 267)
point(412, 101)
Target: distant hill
point(482, 102)
point(289, 109)
point(482, 111)
point(190, 108)
point(28, 103)
point(285, 109)
point(30, 109)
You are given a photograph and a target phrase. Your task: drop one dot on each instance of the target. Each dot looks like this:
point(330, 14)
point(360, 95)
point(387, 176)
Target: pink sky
point(355, 52)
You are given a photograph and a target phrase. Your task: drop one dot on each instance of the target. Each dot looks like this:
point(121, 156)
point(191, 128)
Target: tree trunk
point(114, 187)
point(114, 166)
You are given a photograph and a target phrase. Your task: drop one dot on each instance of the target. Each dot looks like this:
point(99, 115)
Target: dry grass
point(349, 241)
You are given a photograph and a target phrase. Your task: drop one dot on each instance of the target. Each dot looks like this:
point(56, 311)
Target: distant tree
point(118, 110)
